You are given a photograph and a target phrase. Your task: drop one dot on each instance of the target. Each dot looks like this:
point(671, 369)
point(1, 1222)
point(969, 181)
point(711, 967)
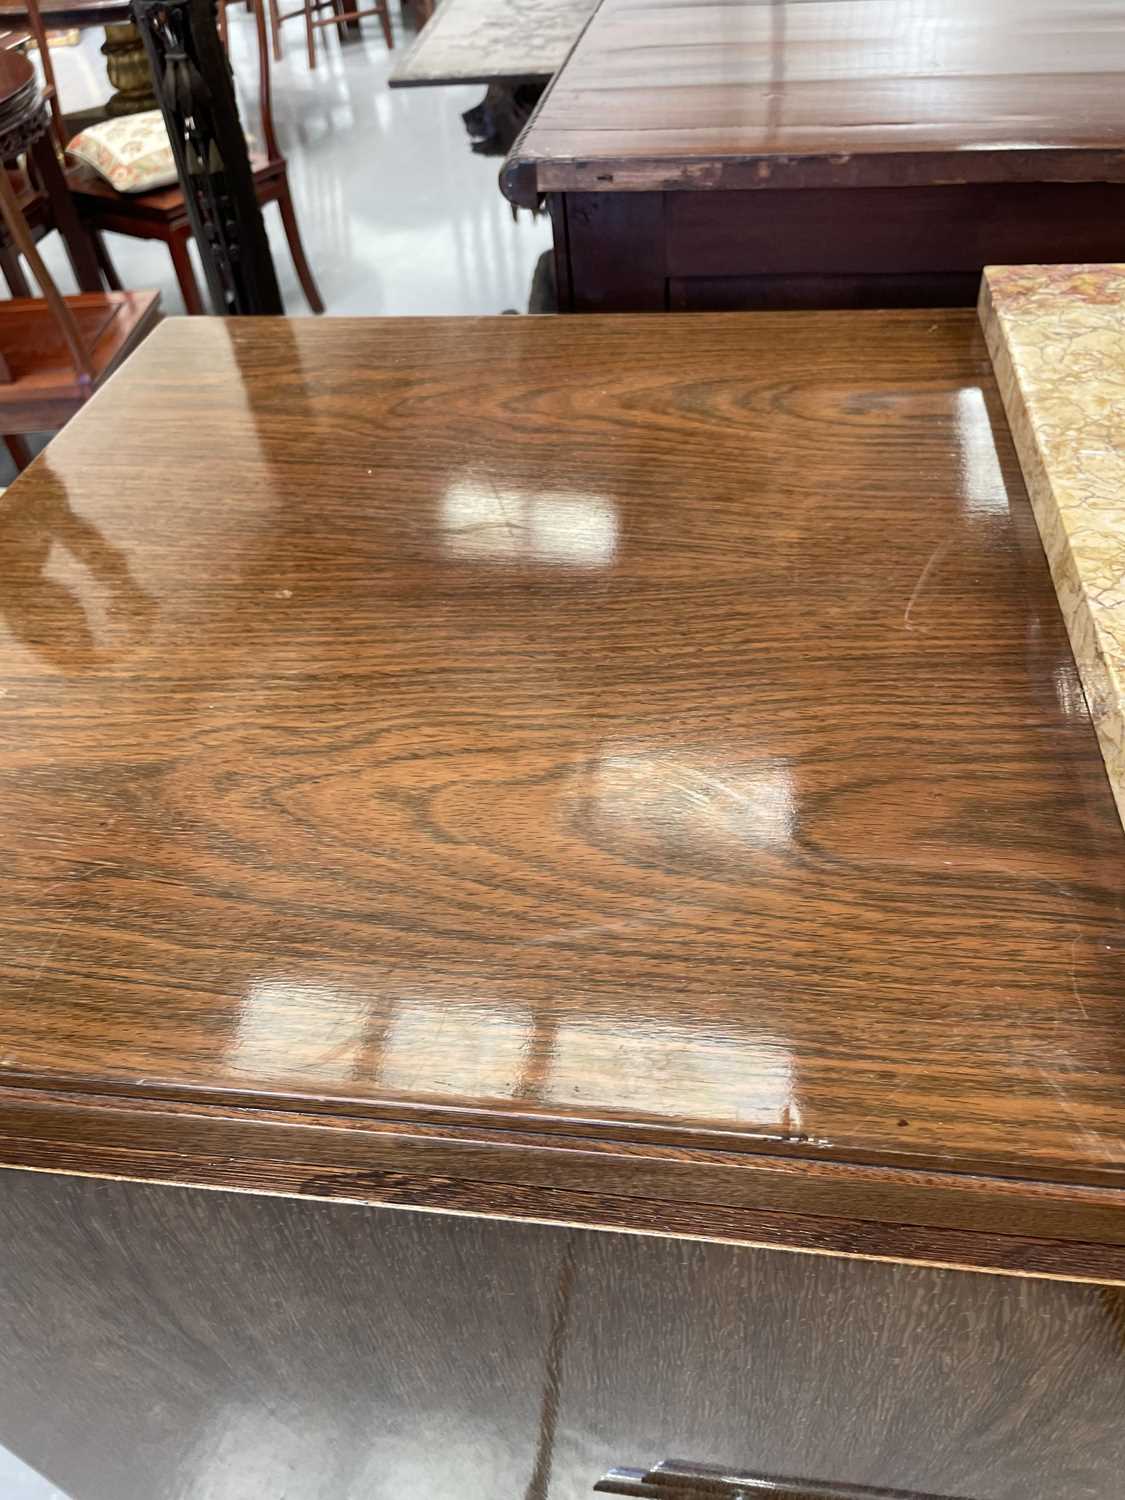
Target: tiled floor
point(398, 217)
point(18, 1482)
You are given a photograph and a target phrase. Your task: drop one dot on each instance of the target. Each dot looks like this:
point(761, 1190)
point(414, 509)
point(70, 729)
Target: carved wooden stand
point(196, 94)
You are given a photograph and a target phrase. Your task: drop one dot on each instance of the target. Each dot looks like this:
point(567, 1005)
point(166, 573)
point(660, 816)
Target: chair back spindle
point(39, 32)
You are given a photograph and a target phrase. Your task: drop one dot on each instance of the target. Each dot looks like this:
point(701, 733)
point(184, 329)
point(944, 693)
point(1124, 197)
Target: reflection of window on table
point(558, 527)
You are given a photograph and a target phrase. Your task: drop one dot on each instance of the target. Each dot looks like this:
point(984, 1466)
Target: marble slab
point(1056, 335)
point(493, 41)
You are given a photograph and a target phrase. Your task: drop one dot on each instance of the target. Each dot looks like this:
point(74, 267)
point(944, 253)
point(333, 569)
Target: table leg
point(127, 65)
point(497, 120)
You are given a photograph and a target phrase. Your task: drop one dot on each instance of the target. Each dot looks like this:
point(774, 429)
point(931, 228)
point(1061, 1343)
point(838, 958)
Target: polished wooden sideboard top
point(830, 93)
point(623, 771)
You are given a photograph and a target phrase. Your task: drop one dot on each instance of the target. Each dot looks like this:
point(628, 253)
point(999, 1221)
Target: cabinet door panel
point(162, 1343)
point(846, 1372)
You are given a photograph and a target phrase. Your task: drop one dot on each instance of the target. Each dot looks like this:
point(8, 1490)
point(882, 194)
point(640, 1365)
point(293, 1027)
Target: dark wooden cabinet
point(159, 1342)
point(729, 251)
point(806, 153)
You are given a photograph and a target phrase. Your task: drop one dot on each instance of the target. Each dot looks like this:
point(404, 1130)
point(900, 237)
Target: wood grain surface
point(830, 93)
point(649, 748)
point(246, 1346)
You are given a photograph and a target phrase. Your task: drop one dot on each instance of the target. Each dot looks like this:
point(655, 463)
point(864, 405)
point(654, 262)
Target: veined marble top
point(491, 41)
point(1057, 339)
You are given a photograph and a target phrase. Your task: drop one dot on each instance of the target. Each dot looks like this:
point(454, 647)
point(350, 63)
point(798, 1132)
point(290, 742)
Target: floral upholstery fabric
point(132, 153)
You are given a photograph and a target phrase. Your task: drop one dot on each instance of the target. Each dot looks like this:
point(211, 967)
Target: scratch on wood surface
point(935, 557)
point(29, 993)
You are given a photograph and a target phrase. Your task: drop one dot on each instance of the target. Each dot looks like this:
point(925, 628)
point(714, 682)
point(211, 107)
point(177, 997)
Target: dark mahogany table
point(528, 825)
point(788, 153)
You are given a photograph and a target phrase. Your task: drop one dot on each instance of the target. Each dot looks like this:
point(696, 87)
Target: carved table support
point(195, 90)
point(497, 120)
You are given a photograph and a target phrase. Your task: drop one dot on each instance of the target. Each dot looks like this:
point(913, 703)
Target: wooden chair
point(338, 16)
point(163, 213)
point(54, 350)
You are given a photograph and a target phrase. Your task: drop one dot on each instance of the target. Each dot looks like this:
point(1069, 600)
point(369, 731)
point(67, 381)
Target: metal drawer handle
point(676, 1480)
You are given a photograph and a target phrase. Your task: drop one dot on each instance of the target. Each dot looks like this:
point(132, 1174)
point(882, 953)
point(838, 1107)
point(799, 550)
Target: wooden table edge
point(1036, 1228)
point(605, 1133)
point(526, 174)
point(531, 193)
